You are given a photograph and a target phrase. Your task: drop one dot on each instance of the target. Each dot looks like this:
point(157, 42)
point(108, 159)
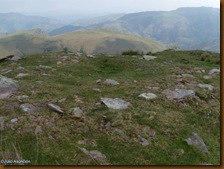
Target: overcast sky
point(63, 7)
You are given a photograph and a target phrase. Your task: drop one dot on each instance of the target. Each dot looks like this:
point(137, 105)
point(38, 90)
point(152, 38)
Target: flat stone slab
point(28, 108)
point(178, 94)
point(207, 86)
point(213, 71)
point(148, 96)
point(95, 154)
point(148, 57)
point(196, 140)
point(20, 75)
point(7, 87)
point(77, 112)
point(111, 82)
point(116, 103)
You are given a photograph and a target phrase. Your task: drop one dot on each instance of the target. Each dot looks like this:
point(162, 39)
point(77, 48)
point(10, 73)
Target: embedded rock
point(7, 87)
point(55, 108)
point(148, 96)
point(148, 57)
point(111, 82)
point(208, 86)
point(115, 103)
point(28, 108)
point(95, 154)
point(178, 94)
point(194, 139)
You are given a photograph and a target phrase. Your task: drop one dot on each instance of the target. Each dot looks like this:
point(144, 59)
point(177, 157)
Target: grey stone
point(196, 140)
point(178, 94)
point(38, 130)
point(111, 82)
point(148, 96)
point(55, 108)
point(187, 75)
point(45, 67)
point(6, 71)
point(144, 142)
point(207, 77)
point(13, 121)
point(15, 58)
point(153, 88)
point(115, 103)
point(208, 86)
point(20, 75)
point(21, 97)
point(7, 87)
point(95, 154)
point(61, 100)
point(76, 112)
point(98, 81)
point(2, 120)
point(214, 71)
point(28, 108)
point(148, 57)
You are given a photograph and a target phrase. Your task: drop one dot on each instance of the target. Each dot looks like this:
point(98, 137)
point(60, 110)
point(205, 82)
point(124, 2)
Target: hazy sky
point(62, 7)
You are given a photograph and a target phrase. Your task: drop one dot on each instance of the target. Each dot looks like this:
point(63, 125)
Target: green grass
point(171, 121)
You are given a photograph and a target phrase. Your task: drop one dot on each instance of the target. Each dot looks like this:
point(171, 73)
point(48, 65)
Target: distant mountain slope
point(187, 27)
point(12, 22)
point(98, 41)
point(64, 29)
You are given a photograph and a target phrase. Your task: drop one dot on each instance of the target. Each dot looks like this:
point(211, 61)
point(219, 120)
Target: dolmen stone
point(178, 94)
point(7, 87)
point(148, 96)
point(196, 140)
point(115, 103)
point(148, 57)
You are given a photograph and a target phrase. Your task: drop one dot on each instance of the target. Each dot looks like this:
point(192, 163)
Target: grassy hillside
point(70, 81)
point(109, 42)
point(35, 41)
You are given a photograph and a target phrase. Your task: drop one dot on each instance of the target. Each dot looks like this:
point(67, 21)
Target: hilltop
point(34, 41)
point(69, 109)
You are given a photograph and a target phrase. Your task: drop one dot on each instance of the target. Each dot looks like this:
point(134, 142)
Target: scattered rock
point(7, 87)
point(115, 103)
point(20, 75)
point(20, 68)
point(13, 121)
point(153, 88)
point(6, 71)
point(187, 75)
point(61, 100)
point(148, 57)
point(148, 95)
point(214, 71)
point(38, 130)
point(208, 86)
point(10, 106)
point(111, 82)
point(178, 94)
point(207, 77)
point(48, 124)
point(55, 108)
point(90, 56)
point(144, 142)
point(21, 97)
point(28, 108)
point(45, 67)
point(200, 71)
point(2, 119)
point(95, 155)
point(98, 81)
point(197, 141)
point(76, 112)
point(15, 58)
point(97, 89)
